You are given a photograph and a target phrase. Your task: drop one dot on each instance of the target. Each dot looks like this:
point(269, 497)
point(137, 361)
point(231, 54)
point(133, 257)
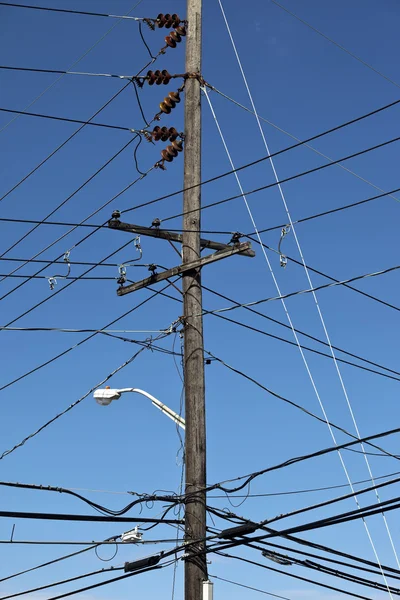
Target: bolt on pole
point(195, 437)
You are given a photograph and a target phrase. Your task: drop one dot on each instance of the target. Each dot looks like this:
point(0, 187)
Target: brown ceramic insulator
point(158, 77)
point(172, 151)
point(181, 29)
point(151, 77)
point(160, 21)
point(169, 102)
point(166, 156)
point(175, 36)
point(177, 145)
point(170, 42)
point(175, 97)
point(164, 134)
point(166, 77)
point(168, 20)
point(164, 108)
point(156, 133)
point(172, 134)
point(175, 20)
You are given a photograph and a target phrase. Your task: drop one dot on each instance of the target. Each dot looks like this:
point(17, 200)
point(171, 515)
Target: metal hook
point(282, 258)
point(53, 280)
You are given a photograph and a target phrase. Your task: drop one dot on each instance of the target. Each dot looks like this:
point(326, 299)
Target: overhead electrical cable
point(327, 212)
point(74, 12)
point(153, 59)
point(279, 152)
point(312, 381)
point(65, 119)
point(310, 290)
point(322, 321)
point(248, 587)
point(292, 403)
point(270, 185)
point(360, 60)
point(276, 321)
point(70, 407)
point(318, 272)
point(65, 234)
point(77, 61)
point(86, 339)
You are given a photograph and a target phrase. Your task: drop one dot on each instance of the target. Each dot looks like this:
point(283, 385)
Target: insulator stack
point(167, 20)
point(158, 77)
point(170, 152)
point(164, 134)
point(169, 102)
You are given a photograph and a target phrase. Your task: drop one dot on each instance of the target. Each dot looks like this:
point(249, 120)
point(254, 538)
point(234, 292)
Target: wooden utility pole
point(195, 437)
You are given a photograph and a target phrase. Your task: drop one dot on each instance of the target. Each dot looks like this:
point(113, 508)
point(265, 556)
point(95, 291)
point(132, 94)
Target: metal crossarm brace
point(168, 235)
point(189, 266)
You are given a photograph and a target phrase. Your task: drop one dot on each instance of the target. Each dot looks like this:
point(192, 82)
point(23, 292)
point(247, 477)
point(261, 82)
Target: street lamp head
point(106, 396)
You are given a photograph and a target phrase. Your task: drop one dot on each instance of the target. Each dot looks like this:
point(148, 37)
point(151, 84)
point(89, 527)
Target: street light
point(107, 395)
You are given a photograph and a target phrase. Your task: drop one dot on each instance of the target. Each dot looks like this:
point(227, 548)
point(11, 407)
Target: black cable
point(268, 157)
point(275, 183)
point(328, 559)
point(64, 119)
point(86, 339)
point(290, 342)
point(317, 566)
point(64, 581)
point(91, 587)
point(85, 518)
point(27, 276)
point(54, 561)
point(63, 143)
point(295, 405)
point(306, 491)
point(295, 460)
point(86, 182)
point(298, 577)
point(390, 571)
point(350, 287)
point(60, 490)
point(326, 212)
point(335, 500)
point(248, 587)
point(276, 321)
point(62, 262)
point(309, 290)
point(65, 10)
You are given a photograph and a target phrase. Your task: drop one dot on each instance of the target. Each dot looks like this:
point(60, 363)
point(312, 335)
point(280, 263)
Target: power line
point(65, 119)
point(85, 518)
point(64, 581)
point(76, 12)
point(276, 321)
point(294, 404)
point(360, 60)
point(327, 212)
point(248, 587)
point(145, 344)
point(297, 262)
point(264, 158)
point(270, 185)
point(96, 43)
point(308, 290)
point(69, 408)
point(285, 132)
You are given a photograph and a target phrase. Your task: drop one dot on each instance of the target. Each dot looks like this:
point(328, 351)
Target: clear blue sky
point(304, 85)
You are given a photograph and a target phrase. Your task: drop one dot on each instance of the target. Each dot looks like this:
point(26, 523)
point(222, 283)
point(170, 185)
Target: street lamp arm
point(160, 405)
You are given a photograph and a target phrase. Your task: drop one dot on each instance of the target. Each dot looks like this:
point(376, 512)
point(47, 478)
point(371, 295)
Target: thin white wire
point(342, 384)
point(296, 337)
point(316, 301)
point(73, 65)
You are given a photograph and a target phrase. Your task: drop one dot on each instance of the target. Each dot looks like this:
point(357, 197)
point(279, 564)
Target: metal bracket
point(155, 231)
point(190, 266)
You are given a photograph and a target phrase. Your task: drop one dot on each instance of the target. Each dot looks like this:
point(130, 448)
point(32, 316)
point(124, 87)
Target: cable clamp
point(282, 258)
